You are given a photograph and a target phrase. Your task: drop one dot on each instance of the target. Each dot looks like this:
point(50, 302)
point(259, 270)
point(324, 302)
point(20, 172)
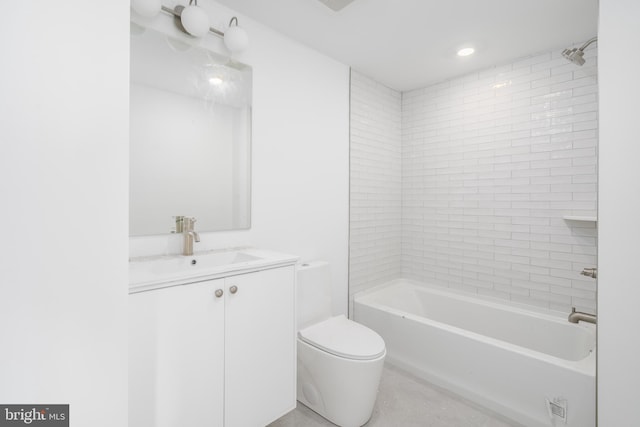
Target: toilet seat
point(344, 338)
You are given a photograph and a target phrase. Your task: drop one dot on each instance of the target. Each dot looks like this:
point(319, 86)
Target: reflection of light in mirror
point(218, 81)
point(177, 65)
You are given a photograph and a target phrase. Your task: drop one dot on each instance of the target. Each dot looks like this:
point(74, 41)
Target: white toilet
point(339, 361)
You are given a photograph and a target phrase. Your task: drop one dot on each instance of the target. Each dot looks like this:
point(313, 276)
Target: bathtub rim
point(586, 365)
point(466, 295)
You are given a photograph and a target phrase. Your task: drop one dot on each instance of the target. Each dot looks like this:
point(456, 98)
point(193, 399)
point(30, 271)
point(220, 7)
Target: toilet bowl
point(339, 361)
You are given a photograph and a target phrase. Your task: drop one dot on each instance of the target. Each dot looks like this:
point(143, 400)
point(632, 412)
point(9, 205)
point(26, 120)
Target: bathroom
point(65, 101)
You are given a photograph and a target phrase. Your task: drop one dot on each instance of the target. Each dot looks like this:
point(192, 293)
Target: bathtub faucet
point(577, 316)
point(590, 272)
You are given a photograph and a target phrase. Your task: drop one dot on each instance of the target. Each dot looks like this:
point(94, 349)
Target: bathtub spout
point(577, 316)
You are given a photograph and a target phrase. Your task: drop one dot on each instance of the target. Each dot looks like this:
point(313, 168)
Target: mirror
point(190, 137)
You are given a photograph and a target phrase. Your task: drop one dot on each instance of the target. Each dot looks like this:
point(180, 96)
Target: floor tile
point(406, 401)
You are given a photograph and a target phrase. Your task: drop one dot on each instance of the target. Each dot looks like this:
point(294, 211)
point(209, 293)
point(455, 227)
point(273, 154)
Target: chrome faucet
point(577, 316)
point(590, 272)
point(179, 228)
point(189, 235)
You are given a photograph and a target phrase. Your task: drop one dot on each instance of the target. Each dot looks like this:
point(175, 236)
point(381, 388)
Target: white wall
point(63, 185)
point(491, 162)
point(375, 234)
point(300, 152)
point(619, 210)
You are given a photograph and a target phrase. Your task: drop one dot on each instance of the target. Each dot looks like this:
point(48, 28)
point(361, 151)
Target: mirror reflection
point(190, 137)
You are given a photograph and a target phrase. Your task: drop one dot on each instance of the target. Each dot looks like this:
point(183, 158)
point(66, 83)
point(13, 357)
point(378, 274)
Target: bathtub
point(508, 359)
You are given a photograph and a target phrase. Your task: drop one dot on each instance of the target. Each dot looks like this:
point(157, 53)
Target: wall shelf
point(580, 218)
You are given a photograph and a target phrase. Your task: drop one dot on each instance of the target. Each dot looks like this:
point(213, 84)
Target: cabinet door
point(260, 351)
point(176, 356)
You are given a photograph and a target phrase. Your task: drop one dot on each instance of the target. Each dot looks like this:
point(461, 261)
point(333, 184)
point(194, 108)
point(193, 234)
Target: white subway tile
point(464, 185)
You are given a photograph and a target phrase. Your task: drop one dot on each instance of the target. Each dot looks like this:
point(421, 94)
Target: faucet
point(179, 224)
point(189, 235)
point(577, 316)
point(590, 272)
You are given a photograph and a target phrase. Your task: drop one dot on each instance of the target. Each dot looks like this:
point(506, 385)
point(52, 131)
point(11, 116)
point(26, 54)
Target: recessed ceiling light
point(215, 81)
point(466, 51)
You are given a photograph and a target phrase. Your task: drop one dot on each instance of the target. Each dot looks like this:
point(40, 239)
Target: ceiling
point(407, 44)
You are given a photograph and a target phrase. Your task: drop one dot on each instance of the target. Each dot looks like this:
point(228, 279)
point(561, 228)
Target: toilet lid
point(344, 338)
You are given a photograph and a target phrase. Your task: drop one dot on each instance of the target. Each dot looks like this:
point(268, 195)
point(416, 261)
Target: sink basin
point(192, 263)
point(168, 270)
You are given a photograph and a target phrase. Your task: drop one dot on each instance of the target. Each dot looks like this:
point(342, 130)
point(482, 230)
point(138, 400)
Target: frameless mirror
point(190, 137)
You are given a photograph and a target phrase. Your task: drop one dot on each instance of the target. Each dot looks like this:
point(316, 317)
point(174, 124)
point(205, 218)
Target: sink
point(168, 270)
point(188, 264)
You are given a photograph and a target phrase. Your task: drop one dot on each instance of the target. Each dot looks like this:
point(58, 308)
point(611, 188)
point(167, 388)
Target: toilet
point(339, 361)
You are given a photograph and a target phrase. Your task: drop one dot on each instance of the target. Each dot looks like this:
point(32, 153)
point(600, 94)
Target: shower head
point(574, 55)
point(577, 55)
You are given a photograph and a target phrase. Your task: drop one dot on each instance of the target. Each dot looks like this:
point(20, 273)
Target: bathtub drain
point(557, 408)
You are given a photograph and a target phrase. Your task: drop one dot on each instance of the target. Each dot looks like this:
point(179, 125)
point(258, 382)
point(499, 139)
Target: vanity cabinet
point(214, 353)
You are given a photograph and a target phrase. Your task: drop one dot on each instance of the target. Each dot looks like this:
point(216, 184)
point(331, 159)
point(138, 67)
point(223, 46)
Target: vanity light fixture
point(466, 51)
point(146, 8)
point(236, 38)
point(194, 21)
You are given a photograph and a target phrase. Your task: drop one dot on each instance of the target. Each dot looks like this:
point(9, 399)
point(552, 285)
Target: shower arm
point(588, 42)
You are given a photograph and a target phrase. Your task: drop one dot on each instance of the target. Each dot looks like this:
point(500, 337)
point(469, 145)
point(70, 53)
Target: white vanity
point(212, 339)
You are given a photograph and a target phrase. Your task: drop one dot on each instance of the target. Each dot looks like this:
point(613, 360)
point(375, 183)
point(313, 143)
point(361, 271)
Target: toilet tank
point(313, 293)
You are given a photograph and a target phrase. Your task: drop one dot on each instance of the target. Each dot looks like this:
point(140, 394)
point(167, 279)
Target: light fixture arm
point(177, 12)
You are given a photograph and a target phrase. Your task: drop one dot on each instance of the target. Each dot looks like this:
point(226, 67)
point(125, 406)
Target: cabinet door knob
point(233, 289)
point(219, 293)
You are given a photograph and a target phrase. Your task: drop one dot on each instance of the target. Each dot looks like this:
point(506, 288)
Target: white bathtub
point(507, 359)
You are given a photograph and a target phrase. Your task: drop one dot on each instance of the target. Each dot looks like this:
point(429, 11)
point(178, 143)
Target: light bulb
point(195, 21)
point(236, 39)
point(146, 8)
point(466, 51)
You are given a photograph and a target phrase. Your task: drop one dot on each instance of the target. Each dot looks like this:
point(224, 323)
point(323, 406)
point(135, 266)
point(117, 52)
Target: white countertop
point(161, 271)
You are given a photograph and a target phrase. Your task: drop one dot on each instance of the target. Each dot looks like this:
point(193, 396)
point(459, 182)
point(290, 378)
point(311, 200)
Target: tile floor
point(406, 401)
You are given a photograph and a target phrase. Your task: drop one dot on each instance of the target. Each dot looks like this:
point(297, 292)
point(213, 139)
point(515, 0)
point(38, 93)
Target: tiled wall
point(491, 162)
point(375, 196)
